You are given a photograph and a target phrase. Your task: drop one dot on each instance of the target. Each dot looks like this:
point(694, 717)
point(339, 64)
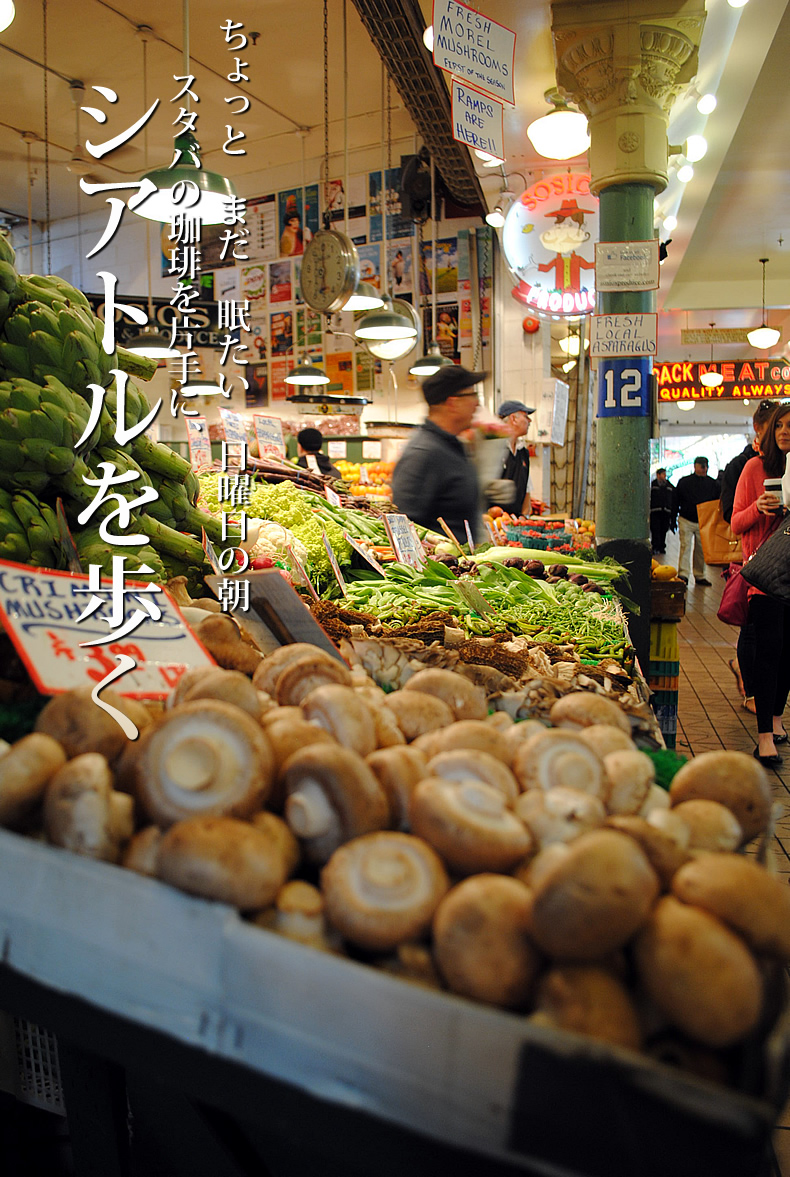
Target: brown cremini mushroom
point(472, 733)
point(229, 686)
point(481, 941)
point(83, 814)
point(470, 764)
point(469, 825)
point(331, 796)
point(273, 665)
point(224, 859)
point(418, 714)
point(299, 914)
point(205, 757)
point(280, 832)
point(24, 771)
point(604, 738)
point(631, 775)
point(662, 851)
point(560, 758)
point(286, 737)
point(414, 963)
point(383, 889)
point(277, 714)
point(142, 852)
point(712, 826)
point(580, 709)
point(339, 710)
point(191, 675)
point(559, 814)
point(80, 725)
point(731, 778)
point(465, 700)
point(305, 675)
point(222, 637)
point(588, 999)
point(398, 770)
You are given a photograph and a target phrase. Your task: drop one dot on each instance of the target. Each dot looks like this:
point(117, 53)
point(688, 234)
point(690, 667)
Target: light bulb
point(562, 134)
point(707, 104)
point(711, 379)
point(7, 14)
point(737, 3)
point(568, 365)
point(696, 148)
point(427, 38)
point(670, 223)
point(763, 337)
point(686, 173)
point(686, 406)
point(496, 218)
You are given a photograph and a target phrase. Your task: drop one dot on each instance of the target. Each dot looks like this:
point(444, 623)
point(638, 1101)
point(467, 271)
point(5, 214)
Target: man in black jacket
point(308, 447)
point(661, 495)
point(690, 491)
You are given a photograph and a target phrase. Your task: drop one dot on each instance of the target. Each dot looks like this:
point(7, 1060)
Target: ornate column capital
point(624, 65)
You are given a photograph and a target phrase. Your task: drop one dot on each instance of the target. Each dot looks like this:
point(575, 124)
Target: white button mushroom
point(469, 825)
point(83, 814)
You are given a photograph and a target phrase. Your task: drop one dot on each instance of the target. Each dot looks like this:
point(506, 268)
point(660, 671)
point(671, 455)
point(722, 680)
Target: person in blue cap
point(515, 468)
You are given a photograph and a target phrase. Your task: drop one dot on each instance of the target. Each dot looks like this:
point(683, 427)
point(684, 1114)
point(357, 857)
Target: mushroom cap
point(481, 940)
point(224, 859)
point(272, 665)
point(559, 814)
point(470, 764)
point(591, 1000)
point(743, 895)
point(593, 898)
point(205, 757)
point(24, 771)
point(230, 686)
point(277, 714)
point(299, 914)
point(305, 675)
point(670, 824)
point(80, 725)
point(286, 737)
point(713, 826)
point(518, 733)
point(332, 796)
point(418, 713)
point(731, 778)
point(398, 769)
point(657, 798)
point(465, 700)
point(340, 711)
point(560, 758)
point(472, 733)
point(280, 832)
point(78, 812)
point(660, 849)
point(383, 889)
point(222, 637)
point(191, 675)
point(580, 709)
point(630, 774)
point(142, 852)
point(469, 825)
point(604, 738)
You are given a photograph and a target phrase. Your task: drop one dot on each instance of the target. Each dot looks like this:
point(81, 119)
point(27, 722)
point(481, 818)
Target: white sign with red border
point(269, 434)
point(199, 443)
point(478, 120)
point(474, 48)
point(39, 612)
point(634, 334)
point(233, 426)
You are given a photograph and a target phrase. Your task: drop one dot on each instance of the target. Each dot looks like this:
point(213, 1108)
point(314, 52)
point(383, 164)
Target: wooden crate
point(667, 598)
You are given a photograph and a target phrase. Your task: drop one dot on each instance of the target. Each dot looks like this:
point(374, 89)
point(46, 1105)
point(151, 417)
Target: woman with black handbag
point(756, 513)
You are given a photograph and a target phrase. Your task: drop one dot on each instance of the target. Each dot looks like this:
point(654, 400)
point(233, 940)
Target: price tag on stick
point(300, 572)
point(363, 552)
point(469, 539)
point(335, 566)
point(405, 541)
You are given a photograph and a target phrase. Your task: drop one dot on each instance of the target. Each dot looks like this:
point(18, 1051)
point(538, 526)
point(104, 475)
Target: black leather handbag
point(769, 568)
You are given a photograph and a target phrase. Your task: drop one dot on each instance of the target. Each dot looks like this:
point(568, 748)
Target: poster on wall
point(227, 285)
point(446, 334)
point(261, 220)
point(256, 395)
point(258, 338)
point(280, 289)
point(339, 367)
point(399, 267)
point(278, 389)
point(309, 332)
point(446, 267)
point(465, 337)
point(397, 224)
point(335, 201)
point(282, 332)
point(367, 369)
point(290, 223)
point(370, 265)
point(252, 283)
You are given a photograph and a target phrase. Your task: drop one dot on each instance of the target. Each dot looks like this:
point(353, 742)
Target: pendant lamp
point(307, 373)
point(562, 134)
point(763, 337)
point(364, 298)
point(7, 13)
point(431, 362)
point(213, 189)
point(711, 379)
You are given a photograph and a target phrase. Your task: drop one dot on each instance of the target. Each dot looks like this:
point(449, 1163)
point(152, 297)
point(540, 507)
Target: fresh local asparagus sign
point(474, 48)
point(41, 610)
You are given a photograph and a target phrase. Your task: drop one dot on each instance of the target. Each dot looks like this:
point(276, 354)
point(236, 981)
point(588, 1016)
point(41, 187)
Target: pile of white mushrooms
point(536, 868)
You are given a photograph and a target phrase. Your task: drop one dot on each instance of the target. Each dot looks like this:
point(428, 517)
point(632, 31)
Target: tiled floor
point(710, 716)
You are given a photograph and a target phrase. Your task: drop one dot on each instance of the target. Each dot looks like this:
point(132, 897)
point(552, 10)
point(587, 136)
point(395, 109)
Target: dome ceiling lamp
point(562, 134)
point(763, 337)
point(711, 379)
point(214, 190)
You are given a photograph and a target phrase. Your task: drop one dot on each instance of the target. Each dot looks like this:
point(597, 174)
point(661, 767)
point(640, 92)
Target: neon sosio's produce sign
point(549, 242)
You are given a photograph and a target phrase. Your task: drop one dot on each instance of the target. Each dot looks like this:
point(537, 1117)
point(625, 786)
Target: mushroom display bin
point(462, 1074)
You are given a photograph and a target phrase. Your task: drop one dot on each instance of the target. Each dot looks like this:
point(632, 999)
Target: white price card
point(233, 425)
point(626, 265)
point(371, 451)
point(199, 443)
point(335, 566)
point(474, 48)
point(332, 497)
point(336, 449)
point(269, 435)
point(359, 547)
point(405, 541)
point(633, 334)
point(39, 611)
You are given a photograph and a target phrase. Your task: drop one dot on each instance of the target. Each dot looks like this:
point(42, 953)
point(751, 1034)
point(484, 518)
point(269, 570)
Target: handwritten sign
point(301, 575)
point(634, 334)
point(269, 434)
point(474, 48)
point(332, 497)
point(233, 425)
point(199, 443)
point(335, 566)
point(337, 449)
point(363, 552)
point(371, 450)
point(478, 120)
point(626, 265)
point(39, 612)
point(405, 541)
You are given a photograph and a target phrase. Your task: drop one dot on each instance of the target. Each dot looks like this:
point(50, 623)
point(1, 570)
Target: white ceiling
point(733, 212)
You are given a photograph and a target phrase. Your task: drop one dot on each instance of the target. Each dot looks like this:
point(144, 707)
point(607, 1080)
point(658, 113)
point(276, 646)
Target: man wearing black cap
point(434, 478)
point(516, 416)
point(308, 447)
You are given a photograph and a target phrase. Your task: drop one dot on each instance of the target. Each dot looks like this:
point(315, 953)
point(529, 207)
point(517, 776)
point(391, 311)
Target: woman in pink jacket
point(754, 518)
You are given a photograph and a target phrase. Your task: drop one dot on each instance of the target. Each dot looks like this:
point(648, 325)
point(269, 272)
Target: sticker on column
point(624, 387)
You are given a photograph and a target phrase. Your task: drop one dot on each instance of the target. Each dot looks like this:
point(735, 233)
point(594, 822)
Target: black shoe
point(685, 579)
point(781, 738)
point(704, 583)
point(773, 761)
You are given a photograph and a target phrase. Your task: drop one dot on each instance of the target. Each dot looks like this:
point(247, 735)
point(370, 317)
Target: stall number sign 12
point(624, 387)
